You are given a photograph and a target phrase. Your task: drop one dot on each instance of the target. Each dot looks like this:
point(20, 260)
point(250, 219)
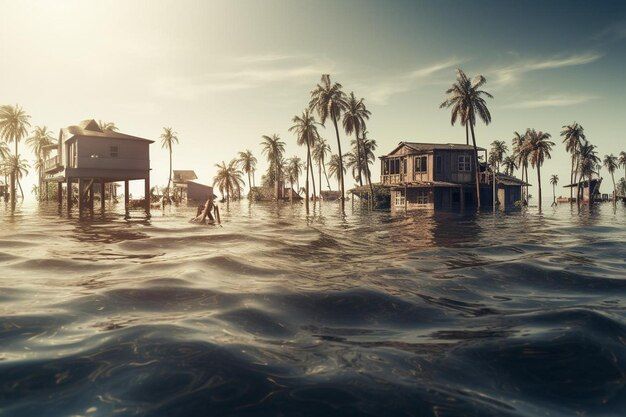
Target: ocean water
point(277, 314)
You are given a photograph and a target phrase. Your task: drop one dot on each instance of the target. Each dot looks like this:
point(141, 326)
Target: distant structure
point(191, 190)
point(92, 158)
point(442, 176)
point(590, 190)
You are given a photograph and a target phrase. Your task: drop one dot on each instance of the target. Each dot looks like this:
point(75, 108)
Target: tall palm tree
point(329, 100)
point(40, 139)
point(168, 139)
point(498, 151)
point(294, 169)
point(622, 161)
point(611, 164)
point(335, 166)
point(573, 135)
point(4, 155)
point(273, 149)
point(354, 122)
point(368, 146)
point(320, 152)
point(14, 126)
point(107, 126)
point(588, 164)
point(465, 98)
point(520, 153)
point(247, 163)
point(539, 147)
point(554, 180)
point(305, 128)
point(228, 179)
point(17, 166)
point(510, 165)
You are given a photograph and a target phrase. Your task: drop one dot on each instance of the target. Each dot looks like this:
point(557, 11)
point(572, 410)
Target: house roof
point(423, 146)
point(509, 180)
point(583, 183)
point(90, 128)
point(185, 174)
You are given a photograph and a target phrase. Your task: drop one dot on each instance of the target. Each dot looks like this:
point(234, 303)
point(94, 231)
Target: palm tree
point(368, 146)
point(335, 166)
point(498, 151)
point(14, 126)
point(247, 162)
point(573, 135)
point(539, 148)
point(588, 164)
point(554, 180)
point(168, 139)
point(611, 164)
point(465, 98)
point(16, 165)
point(354, 122)
point(273, 149)
point(320, 151)
point(510, 165)
point(107, 126)
point(294, 169)
point(38, 142)
point(330, 102)
point(520, 153)
point(4, 155)
point(622, 162)
point(305, 128)
point(228, 179)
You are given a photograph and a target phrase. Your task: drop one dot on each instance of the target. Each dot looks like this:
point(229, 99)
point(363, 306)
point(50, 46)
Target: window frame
point(420, 164)
point(464, 163)
point(114, 153)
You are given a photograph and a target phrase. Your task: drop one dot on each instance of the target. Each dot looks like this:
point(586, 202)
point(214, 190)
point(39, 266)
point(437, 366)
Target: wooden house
point(442, 176)
point(88, 155)
point(590, 190)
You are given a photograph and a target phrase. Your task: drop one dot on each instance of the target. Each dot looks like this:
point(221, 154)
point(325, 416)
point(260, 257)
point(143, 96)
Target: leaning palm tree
point(247, 163)
point(520, 153)
point(368, 146)
point(622, 162)
point(539, 147)
point(273, 149)
point(329, 101)
point(510, 165)
point(4, 155)
point(554, 180)
point(335, 166)
point(17, 166)
point(611, 164)
point(107, 126)
point(305, 128)
point(320, 152)
point(38, 142)
point(354, 122)
point(228, 179)
point(294, 170)
point(498, 151)
point(168, 139)
point(573, 135)
point(465, 98)
point(14, 126)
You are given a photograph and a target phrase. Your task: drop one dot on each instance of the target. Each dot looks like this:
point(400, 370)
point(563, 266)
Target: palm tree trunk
point(571, 181)
point(476, 167)
point(312, 178)
point(277, 181)
point(466, 134)
point(169, 179)
point(358, 160)
point(319, 171)
point(341, 182)
point(527, 182)
point(249, 182)
point(554, 194)
point(539, 184)
point(306, 185)
point(614, 189)
point(325, 174)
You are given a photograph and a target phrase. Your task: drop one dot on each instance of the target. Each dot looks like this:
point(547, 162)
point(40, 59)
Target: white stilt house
point(88, 155)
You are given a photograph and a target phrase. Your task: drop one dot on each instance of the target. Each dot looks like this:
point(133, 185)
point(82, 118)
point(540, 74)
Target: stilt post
point(146, 183)
point(102, 194)
point(126, 198)
point(68, 194)
point(60, 193)
point(81, 198)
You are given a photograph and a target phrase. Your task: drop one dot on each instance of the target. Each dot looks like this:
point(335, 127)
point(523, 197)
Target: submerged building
point(442, 176)
point(589, 191)
point(91, 157)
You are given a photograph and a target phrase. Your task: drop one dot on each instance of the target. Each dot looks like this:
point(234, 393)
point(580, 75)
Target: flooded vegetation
point(277, 313)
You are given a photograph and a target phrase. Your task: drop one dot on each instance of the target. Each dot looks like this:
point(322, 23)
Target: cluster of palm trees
point(328, 103)
point(14, 124)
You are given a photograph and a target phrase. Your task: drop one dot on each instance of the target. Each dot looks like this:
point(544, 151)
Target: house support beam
point(68, 194)
point(146, 184)
point(102, 194)
point(126, 198)
point(462, 197)
point(81, 196)
point(60, 193)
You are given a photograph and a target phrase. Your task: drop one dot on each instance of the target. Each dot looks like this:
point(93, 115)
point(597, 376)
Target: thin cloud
point(380, 92)
point(613, 32)
point(551, 101)
point(512, 73)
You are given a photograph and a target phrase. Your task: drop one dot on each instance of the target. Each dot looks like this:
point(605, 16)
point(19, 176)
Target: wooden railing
point(52, 163)
point(392, 178)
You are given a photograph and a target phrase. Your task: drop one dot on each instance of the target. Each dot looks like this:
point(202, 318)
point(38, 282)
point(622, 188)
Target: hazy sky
point(223, 73)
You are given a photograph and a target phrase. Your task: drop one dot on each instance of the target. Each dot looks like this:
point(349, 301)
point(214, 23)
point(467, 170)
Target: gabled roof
point(425, 147)
point(90, 128)
point(509, 180)
point(185, 174)
point(583, 183)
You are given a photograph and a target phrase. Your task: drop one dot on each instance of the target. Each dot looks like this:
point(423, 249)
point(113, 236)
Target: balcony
point(52, 164)
point(391, 179)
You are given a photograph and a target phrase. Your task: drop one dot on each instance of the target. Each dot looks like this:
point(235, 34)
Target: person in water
point(208, 209)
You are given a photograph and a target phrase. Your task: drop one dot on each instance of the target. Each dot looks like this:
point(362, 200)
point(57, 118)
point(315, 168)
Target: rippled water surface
point(272, 314)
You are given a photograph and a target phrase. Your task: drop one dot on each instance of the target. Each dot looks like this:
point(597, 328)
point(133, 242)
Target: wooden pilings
point(146, 185)
point(68, 194)
point(126, 200)
point(102, 195)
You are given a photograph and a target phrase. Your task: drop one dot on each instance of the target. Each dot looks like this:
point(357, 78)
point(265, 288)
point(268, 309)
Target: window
point(438, 165)
point(113, 151)
point(399, 200)
point(422, 196)
point(465, 163)
point(420, 164)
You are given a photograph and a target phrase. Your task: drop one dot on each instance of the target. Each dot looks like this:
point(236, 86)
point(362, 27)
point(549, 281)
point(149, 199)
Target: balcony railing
point(52, 163)
point(392, 178)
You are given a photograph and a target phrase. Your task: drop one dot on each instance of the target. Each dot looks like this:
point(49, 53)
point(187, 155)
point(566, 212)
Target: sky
point(224, 73)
